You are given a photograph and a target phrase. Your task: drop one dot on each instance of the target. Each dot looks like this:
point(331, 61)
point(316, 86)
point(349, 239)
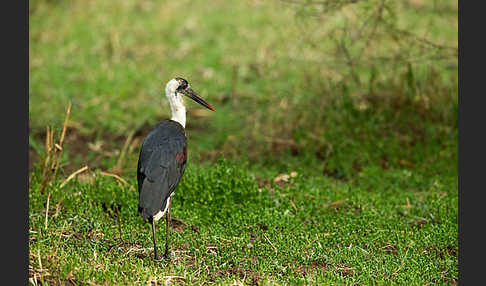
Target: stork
point(162, 159)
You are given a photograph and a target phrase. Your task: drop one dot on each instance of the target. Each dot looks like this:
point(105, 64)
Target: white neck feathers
point(179, 114)
point(176, 103)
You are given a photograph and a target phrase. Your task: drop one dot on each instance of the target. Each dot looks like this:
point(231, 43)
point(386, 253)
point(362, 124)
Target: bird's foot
point(166, 255)
point(157, 257)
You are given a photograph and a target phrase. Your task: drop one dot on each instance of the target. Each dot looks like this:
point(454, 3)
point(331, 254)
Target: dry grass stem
point(47, 210)
point(48, 151)
point(120, 179)
point(174, 277)
point(293, 205)
point(53, 152)
point(118, 167)
point(45, 168)
point(73, 175)
point(273, 246)
point(39, 258)
point(277, 140)
point(61, 141)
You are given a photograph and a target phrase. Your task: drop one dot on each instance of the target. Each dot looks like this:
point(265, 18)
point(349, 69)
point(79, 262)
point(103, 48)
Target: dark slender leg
point(167, 220)
point(156, 257)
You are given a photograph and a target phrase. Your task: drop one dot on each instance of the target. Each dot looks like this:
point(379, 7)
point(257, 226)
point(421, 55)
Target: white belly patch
point(160, 214)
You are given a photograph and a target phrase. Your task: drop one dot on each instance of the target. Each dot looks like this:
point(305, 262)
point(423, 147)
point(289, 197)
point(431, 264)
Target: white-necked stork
point(162, 159)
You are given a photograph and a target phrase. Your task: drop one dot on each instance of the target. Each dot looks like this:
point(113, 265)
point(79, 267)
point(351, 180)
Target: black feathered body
point(161, 165)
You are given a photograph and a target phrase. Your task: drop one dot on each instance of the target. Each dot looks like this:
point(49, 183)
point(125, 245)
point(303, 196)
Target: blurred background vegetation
point(337, 120)
point(336, 85)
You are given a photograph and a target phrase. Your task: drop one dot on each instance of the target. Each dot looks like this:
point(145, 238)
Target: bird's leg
point(156, 257)
point(167, 220)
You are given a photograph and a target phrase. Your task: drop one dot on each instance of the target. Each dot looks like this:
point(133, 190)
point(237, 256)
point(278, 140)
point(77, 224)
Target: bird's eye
point(182, 86)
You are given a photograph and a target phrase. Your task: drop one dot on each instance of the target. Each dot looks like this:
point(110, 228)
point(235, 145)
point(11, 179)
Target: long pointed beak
point(189, 92)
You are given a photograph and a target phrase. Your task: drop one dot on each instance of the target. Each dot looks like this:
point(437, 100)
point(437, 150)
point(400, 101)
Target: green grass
point(386, 228)
point(273, 76)
point(373, 141)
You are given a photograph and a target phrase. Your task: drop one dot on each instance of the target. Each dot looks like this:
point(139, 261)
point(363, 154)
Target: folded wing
point(161, 165)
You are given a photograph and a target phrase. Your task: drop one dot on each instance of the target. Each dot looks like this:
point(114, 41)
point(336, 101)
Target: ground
point(329, 160)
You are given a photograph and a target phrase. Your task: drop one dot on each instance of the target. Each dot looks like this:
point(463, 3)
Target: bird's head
point(177, 88)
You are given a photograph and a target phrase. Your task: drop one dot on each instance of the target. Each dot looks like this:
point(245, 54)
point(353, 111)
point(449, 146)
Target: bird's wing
point(161, 165)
